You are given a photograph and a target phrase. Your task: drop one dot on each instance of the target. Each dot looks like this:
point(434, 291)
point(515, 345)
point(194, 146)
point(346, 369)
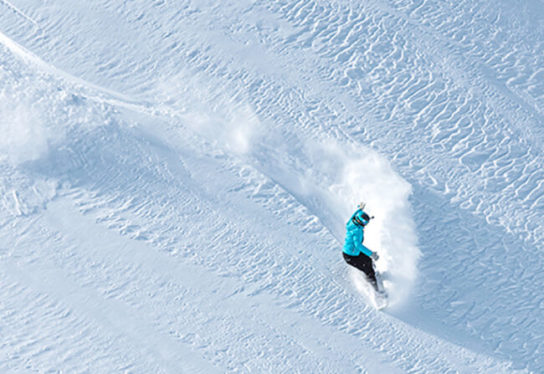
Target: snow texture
point(175, 177)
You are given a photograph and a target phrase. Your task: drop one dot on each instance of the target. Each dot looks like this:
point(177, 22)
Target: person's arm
point(358, 241)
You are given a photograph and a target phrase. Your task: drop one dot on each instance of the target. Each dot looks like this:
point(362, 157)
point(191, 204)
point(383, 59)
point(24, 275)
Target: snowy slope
point(175, 178)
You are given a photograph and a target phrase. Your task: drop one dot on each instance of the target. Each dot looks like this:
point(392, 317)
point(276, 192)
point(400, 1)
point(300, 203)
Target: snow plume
point(234, 126)
point(210, 110)
point(23, 134)
point(357, 173)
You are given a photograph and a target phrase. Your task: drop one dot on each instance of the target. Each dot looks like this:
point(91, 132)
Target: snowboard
point(376, 297)
point(381, 299)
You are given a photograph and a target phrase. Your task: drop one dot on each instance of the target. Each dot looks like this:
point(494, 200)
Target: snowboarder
point(354, 252)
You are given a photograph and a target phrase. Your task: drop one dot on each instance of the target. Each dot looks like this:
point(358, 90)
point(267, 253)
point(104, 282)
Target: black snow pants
point(363, 263)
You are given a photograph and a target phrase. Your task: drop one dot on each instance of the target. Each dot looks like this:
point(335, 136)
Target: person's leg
point(363, 263)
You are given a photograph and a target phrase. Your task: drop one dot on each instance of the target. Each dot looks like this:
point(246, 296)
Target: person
point(354, 252)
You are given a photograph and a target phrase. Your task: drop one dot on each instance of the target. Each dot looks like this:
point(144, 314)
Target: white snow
point(175, 177)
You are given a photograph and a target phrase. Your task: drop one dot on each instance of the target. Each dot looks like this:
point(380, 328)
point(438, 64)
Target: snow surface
point(175, 177)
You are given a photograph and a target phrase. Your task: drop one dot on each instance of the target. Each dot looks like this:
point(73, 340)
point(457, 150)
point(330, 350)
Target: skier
point(354, 252)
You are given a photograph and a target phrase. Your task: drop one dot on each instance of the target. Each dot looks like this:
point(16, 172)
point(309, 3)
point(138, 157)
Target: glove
point(374, 256)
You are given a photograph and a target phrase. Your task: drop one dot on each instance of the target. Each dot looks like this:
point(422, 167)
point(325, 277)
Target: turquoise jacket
point(355, 234)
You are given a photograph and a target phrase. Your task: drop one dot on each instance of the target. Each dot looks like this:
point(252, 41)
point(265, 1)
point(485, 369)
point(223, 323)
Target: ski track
point(449, 93)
